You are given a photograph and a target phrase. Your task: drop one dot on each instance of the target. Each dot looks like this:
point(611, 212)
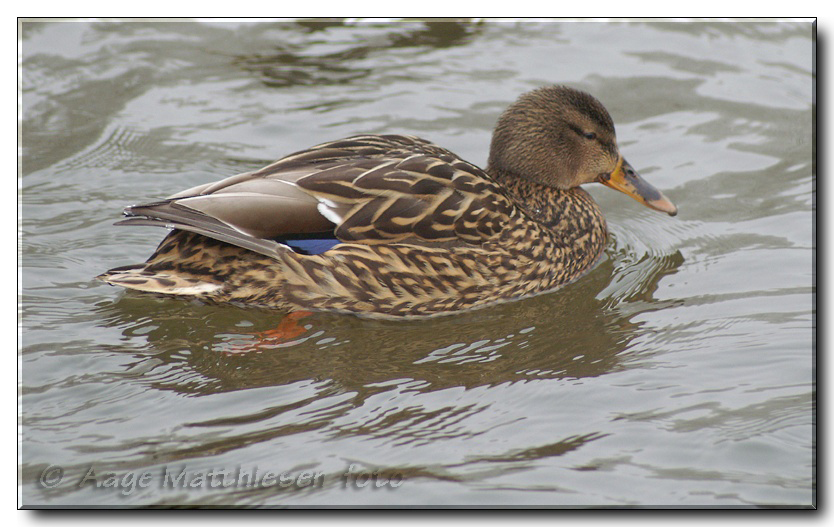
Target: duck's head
point(563, 138)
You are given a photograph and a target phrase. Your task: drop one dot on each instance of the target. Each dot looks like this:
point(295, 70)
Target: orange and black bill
point(625, 179)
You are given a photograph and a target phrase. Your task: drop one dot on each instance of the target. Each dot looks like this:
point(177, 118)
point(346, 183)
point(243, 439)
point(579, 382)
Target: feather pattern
point(407, 228)
point(423, 233)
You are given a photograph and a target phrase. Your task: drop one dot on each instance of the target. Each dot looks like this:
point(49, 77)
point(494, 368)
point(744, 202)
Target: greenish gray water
point(679, 372)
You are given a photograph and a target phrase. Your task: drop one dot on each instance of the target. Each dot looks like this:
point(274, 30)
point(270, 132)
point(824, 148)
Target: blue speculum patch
point(311, 245)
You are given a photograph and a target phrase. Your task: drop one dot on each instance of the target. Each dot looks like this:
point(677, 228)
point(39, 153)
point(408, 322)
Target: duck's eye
point(589, 135)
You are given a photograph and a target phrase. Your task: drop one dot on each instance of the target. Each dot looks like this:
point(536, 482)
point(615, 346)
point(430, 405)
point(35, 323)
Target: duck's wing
point(365, 189)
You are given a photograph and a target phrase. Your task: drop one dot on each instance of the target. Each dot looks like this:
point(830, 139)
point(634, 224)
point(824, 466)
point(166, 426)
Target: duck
point(395, 226)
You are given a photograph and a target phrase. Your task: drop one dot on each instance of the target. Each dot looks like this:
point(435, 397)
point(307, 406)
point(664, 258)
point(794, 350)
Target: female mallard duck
point(395, 226)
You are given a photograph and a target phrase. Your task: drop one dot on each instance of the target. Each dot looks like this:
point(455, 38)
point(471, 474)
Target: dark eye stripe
point(583, 133)
point(609, 146)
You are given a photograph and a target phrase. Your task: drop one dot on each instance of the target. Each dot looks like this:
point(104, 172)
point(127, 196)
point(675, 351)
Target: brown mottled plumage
point(421, 231)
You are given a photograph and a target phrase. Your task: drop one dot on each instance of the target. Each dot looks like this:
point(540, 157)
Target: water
point(679, 372)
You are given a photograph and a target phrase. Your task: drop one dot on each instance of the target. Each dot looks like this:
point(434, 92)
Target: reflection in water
point(571, 333)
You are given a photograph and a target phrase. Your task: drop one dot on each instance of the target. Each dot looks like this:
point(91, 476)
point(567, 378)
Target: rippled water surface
point(680, 371)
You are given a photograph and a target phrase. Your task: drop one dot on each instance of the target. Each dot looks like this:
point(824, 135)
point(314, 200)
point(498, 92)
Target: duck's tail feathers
point(169, 214)
point(139, 278)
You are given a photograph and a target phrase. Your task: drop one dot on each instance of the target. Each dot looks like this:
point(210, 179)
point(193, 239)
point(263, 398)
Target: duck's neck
point(571, 213)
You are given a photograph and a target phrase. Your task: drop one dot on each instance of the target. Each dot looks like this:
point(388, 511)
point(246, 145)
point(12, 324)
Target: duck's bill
point(625, 179)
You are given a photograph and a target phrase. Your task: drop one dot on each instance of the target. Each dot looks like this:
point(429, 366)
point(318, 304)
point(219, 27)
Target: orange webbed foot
point(286, 331)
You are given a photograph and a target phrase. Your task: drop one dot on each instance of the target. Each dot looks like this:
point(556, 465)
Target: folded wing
point(364, 189)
